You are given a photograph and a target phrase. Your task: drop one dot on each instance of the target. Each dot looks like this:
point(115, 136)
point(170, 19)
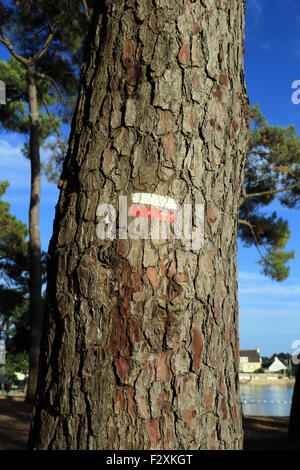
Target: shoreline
point(281, 382)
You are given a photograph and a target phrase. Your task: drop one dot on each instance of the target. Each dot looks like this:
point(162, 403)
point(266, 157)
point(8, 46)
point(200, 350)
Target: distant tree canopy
point(14, 263)
point(17, 340)
point(285, 358)
point(45, 40)
point(272, 171)
point(13, 247)
point(14, 256)
point(53, 33)
point(14, 275)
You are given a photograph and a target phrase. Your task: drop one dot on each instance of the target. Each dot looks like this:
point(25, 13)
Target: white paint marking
point(155, 200)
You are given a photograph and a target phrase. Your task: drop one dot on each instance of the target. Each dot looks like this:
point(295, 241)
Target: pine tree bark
point(35, 281)
point(140, 344)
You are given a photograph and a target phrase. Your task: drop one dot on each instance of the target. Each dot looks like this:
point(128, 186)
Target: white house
point(250, 360)
point(276, 366)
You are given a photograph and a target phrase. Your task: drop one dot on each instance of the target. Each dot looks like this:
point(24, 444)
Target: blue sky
point(269, 311)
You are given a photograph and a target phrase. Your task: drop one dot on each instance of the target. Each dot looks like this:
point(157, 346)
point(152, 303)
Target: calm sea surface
point(266, 400)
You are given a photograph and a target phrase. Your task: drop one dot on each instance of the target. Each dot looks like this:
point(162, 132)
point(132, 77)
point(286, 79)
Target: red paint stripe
point(137, 210)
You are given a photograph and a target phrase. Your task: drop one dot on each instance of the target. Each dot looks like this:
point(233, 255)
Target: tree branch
point(274, 191)
point(245, 222)
point(290, 171)
point(4, 39)
point(45, 47)
point(58, 133)
point(57, 91)
point(86, 9)
point(32, 60)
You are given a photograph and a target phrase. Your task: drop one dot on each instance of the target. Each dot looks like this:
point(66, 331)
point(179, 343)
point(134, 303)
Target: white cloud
point(12, 157)
point(254, 13)
point(264, 304)
point(266, 46)
point(255, 6)
point(252, 314)
point(15, 168)
point(271, 290)
point(249, 276)
point(269, 302)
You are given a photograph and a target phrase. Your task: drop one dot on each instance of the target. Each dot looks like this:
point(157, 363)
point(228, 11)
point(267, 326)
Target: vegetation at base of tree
point(290, 372)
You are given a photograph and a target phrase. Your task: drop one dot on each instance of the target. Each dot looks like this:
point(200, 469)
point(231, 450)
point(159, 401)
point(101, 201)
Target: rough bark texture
point(36, 311)
point(140, 342)
point(294, 424)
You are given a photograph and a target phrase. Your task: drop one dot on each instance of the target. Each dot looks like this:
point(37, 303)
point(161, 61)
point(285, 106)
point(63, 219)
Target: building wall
point(249, 366)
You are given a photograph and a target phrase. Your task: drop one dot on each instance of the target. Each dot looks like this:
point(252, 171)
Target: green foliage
point(27, 26)
point(14, 267)
point(16, 363)
point(259, 371)
point(13, 246)
point(285, 358)
point(274, 264)
point(10, 299)
point(14, 273)
point(289, 372)
point(58, 150)
point(273, 163)
point(14, 115)
point(17, 337)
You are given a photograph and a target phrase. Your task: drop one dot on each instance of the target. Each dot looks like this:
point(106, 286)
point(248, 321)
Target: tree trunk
point(294, 424)
point(36, 310)
point(140, 341)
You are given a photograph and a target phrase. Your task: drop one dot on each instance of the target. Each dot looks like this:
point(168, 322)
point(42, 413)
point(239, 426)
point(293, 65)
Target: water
point(266, 400)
